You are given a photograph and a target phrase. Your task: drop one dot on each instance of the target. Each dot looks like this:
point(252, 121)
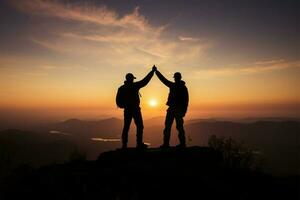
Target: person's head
point(129, 77)
point(177, 76)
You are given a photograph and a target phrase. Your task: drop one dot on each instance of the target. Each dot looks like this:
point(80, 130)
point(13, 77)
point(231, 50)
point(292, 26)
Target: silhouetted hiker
point(129, 99)
point(178, 100)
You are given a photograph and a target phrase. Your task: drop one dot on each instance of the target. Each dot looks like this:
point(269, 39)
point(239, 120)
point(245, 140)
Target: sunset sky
point(67, 58)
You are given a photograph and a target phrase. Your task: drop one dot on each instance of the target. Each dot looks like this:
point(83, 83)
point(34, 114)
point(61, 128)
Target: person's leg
point(127, 122)
point(168, 125)
point(181, 133)
point(138, 120)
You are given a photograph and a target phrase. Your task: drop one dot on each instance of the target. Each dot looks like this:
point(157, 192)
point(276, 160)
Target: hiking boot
point(141, 146)
point(180, 146)
point(124, 146)
point(164, 146)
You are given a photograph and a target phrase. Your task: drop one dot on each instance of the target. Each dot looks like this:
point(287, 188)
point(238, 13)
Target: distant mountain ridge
point(278, 141)
point(105, 128)
point(18, 148)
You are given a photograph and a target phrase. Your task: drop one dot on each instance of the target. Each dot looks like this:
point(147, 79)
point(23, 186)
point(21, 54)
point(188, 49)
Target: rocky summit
point(190, 173)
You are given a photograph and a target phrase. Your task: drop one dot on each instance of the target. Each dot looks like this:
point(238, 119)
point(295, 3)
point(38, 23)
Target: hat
point(177, 74)
point(129, 76)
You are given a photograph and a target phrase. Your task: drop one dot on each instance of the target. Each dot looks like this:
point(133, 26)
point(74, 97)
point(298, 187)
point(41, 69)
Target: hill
point(193, 173)
point(276, 141)
point(19, 148)
point(110, 127)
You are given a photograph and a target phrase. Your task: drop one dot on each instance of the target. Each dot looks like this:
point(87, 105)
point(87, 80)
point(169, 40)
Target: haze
point(63, 59)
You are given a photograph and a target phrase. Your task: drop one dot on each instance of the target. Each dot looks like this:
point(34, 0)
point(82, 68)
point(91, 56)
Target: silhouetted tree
point(236, 154)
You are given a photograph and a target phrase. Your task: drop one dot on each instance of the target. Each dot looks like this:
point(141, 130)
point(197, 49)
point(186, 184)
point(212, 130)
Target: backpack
point(121, 97)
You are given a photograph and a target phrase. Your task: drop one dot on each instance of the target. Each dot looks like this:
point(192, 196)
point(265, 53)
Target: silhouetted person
point(129, 99)
point(178, 100)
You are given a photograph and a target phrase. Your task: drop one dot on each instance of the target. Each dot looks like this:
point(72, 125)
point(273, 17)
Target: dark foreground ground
point(193, 173)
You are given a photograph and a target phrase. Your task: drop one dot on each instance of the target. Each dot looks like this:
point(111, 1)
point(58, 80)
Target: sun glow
point(153, 102)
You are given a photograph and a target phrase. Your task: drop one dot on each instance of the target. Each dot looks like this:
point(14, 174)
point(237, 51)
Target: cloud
point(267, 62)
point(270, 65)
point(48, 67)
point(252, 68)
point(84, 13)
point(188, 39)
point(35, 74)
point(101, 34)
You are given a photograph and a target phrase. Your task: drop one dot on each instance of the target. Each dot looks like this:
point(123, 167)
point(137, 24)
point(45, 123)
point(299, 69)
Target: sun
point(153, 102)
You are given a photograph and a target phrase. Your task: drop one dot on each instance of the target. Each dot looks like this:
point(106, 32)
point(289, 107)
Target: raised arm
point(163, 79)
point(145, 81)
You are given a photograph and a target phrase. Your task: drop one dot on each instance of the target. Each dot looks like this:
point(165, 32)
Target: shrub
point(235, 154)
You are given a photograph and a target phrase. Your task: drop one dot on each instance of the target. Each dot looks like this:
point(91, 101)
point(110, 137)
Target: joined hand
point(154, 68)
